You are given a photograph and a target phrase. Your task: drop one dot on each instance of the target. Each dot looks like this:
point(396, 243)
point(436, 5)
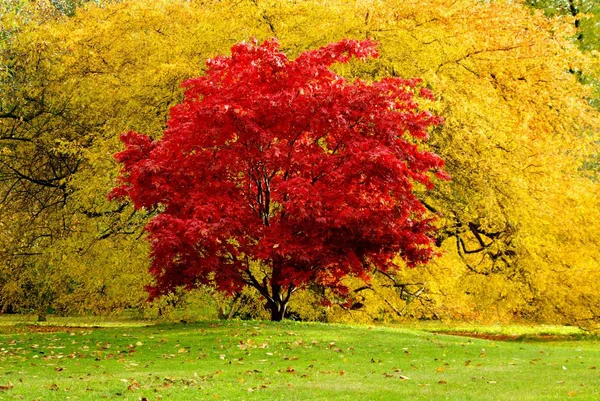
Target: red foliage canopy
point(287, 163)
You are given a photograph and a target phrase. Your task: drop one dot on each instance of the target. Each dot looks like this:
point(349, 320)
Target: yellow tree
point(518, 129)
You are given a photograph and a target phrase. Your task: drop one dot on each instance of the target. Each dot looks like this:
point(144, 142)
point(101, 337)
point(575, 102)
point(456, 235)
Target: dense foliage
point(285, 163)
point(518, 221)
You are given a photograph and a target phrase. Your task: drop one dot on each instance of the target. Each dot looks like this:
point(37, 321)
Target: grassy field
point(293, 361)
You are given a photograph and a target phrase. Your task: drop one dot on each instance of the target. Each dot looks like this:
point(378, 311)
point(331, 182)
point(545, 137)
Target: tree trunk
point(278, 310)
point(278, 302)
point(277, 298)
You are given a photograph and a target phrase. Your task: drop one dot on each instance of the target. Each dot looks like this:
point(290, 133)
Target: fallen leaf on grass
point(133, 386)
point(189, 382)
point(7, 387)
point(250, 372)
point(442, 382)
point(399, 376)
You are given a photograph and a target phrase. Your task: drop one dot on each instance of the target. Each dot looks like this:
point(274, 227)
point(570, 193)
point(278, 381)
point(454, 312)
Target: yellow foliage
point(518, 130)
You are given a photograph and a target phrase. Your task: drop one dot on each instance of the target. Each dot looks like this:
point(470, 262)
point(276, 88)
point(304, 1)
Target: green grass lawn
point(288, 361)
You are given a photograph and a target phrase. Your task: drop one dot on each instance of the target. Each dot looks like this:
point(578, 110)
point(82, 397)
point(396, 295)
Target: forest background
point(517, 85)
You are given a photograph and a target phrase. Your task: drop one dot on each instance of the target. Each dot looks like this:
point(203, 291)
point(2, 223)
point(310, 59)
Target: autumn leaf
point(133, 386)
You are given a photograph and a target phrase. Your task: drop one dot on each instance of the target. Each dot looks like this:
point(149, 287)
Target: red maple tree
point(278, 173)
